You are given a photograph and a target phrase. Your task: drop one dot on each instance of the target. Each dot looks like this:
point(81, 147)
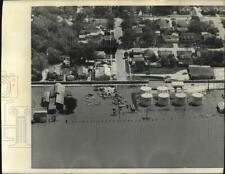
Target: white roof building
point(102, 71)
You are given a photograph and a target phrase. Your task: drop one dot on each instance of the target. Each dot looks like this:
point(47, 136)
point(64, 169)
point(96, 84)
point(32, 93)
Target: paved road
point(120, 63)
point(117, 29)
point(121, 68)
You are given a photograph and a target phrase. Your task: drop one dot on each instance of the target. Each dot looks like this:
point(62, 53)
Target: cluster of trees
point(197, 26)
point(163, 10)
point(148, 35)
point(56, 30)
point(129, 35)
point(52, 36)
point(168, 61)
point(70, 104)
point(213, 42)
point(209, 11)
point(223, 22)
point(212, 58)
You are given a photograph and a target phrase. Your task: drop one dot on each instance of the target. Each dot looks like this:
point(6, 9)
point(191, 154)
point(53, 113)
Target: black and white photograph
point(127, 86)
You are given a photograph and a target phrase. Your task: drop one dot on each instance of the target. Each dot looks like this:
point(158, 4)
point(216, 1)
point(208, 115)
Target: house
point(100, 22)
point(189, 38)
point(102, 71)
point(59, 101)
point(80, 10)
point(184, 58)
point(135, 52)
point(209, 10)
point(172, 38)
point(207, 35)
point(45, 99)
point(70, 77)
point(59, 88)
point(163, 24)
point(137, 30)
point(184, 10)
point(51, 107)
point(138, 58)
point(40, 116)
point(157, 33)
point(82, 72)
point(66, 61)
point(100, 54)
point(197, 72)
point(182, 25)
point(165, 54)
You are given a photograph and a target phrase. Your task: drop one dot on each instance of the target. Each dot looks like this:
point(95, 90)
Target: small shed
point(59, 88)
point(59, 101)
point(40, 116)
point(197, 72)
point(51, 107)
point(45, 99)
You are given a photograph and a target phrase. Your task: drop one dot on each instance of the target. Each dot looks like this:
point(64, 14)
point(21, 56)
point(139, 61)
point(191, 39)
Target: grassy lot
point(92, 137)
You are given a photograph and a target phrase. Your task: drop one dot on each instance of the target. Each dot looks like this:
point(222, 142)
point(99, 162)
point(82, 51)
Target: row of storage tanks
point(164, 95)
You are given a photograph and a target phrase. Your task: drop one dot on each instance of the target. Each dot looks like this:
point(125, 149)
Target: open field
point(172, 137)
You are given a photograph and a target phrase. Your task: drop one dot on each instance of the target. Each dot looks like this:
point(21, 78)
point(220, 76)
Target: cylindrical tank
point(163, 99)
point(180, 99)
point(146, 99)
point(146, 89)
point(179, 90)
point(162, 89)
point(172, 92)
point(197, 99)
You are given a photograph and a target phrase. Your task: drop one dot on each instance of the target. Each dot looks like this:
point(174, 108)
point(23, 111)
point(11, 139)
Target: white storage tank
point(146, 99)
point(162, 89)
point(163, 99)
point(179, 90)
point(172, 93)
point(197, 99)
point(180, 99)
point(146, 89)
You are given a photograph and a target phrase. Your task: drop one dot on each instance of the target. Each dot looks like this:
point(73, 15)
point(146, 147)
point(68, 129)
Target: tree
point(76, 54)
point(212, 58)
point(196, 26)
point(147, 36)
point(128, 38)
point(214, 42)
point(162, 10)
point(70, 104)
point(39, 60)
point(101, 11)
point(109, 46)
point(36, 75)
point(128, 23)
point(54, 56)
point(149, 56)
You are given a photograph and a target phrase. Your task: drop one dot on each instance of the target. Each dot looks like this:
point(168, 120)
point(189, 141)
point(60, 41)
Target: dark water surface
point(173, 137)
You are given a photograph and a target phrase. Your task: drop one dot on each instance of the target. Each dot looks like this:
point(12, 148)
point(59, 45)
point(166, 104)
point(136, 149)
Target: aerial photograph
point(127, 86)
